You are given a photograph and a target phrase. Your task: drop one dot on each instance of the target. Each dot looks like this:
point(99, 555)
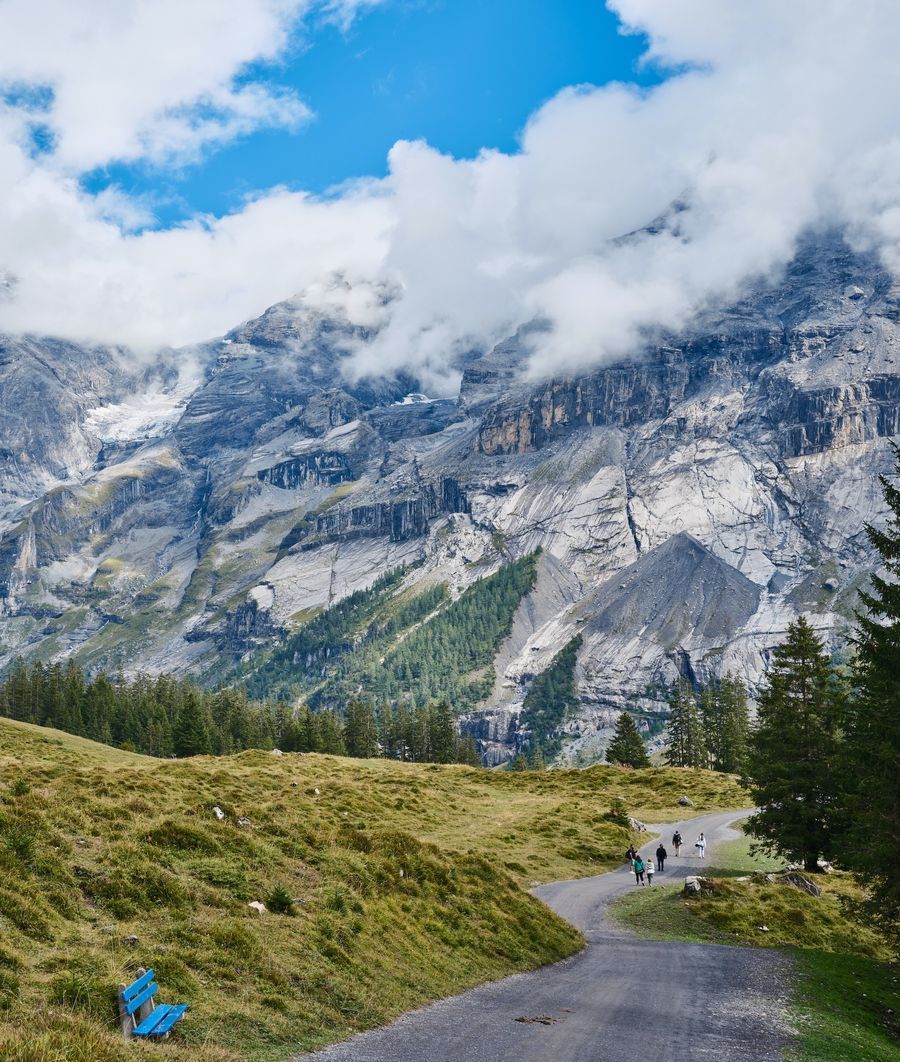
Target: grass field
point(848, 979)
point(403, 884)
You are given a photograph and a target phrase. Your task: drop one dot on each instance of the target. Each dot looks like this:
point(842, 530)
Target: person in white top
point(649, 872)
point(700, 845)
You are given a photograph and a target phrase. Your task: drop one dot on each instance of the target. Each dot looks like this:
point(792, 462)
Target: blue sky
point(462, 74)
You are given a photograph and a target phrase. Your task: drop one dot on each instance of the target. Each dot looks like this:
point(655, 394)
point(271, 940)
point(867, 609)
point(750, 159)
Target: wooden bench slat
point(169, 1020)
point(132, 990)
point(150, 1024)
point(147, 993)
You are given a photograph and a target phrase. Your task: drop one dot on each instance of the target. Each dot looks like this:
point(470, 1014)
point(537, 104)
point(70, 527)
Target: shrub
point(280, 901)
point(618, 813)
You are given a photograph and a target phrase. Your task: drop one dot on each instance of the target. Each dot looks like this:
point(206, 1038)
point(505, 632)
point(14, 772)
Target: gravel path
point(619, 1000)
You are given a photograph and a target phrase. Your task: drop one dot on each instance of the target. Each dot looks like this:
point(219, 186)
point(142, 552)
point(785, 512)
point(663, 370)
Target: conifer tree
point(794, 750)
point(360, 730)
point(443, 734)
point(712, 713)
point(687, 743)
point(735, 716)
point(536, 757)
point(467, 751)
point(626, 747)
point(190, 737)
point(519, 762)
point(870, 841)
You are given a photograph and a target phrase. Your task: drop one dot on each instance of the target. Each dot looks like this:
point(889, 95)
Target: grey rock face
point(689, 504)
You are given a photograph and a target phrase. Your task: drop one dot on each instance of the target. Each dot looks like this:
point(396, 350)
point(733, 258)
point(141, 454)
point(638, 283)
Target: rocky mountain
point(688, 503)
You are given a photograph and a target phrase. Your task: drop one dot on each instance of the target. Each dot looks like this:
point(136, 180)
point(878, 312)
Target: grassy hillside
point(847, 971)
point(405, 878)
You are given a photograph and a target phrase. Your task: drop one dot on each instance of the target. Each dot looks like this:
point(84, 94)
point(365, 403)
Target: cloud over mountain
point(774, 117)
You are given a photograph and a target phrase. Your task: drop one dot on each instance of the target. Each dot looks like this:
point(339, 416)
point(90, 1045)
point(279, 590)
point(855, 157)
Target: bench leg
point(125, 1019)
point(129, 1022)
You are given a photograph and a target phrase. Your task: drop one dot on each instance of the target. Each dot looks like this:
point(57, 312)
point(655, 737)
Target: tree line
point(708, 727)
point(165, 716)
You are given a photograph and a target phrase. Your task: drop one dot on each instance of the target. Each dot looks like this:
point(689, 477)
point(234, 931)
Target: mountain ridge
point(282, 487)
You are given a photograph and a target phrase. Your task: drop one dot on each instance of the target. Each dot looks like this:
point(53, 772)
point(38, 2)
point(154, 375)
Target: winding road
point(621, 999)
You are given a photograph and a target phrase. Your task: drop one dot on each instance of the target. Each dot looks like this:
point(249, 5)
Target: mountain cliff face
point(688, 503)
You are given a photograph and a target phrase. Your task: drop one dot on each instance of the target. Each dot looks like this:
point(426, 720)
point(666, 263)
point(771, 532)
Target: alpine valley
point(210, 512)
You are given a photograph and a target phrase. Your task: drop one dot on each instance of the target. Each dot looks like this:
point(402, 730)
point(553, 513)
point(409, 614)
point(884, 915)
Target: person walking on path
point(677, 842)
point(631, 854)
point(638, 865)
point(700, 845)
point(650, 873)
point(661, 856)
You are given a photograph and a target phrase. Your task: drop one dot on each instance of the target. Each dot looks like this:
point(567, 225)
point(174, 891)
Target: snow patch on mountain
point(148, 415)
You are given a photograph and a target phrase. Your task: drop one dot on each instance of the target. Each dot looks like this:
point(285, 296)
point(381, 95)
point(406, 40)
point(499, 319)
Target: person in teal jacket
point(638, 865)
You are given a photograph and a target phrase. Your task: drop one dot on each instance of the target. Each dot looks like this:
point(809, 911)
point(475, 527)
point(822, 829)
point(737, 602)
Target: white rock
point(218, 812)
point(257, 906)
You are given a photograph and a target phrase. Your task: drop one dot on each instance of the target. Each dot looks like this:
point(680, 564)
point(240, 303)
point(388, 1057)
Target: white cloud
point(131, 79)
point(783, 117)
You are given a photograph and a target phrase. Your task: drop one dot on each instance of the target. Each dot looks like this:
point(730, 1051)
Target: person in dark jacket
point(631, 854)
point(661, 856)
point(676, 840)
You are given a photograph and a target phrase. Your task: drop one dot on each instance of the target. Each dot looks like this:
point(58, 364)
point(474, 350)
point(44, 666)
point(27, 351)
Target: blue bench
point(138, 1013)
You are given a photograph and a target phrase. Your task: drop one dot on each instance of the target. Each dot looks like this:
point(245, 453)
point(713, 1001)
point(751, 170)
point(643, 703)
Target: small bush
point(20, 839)
point(618, 813)
point(280, 901)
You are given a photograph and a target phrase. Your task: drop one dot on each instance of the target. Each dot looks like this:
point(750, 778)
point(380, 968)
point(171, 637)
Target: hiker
point(677, 842)
point(700, 845)
point(631, 854)
point(650, 873)
point(661, 856)
point(638, 865)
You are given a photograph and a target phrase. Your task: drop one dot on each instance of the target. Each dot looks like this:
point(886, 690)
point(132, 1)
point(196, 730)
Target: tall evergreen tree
point(536, 757)
point(735, 716)
point(360, 730)
point(626, 747)
point(443, 734)
point(191, 737)
point(519, 762)
point(687, 743)
point(871, 840)
point(794, 750)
